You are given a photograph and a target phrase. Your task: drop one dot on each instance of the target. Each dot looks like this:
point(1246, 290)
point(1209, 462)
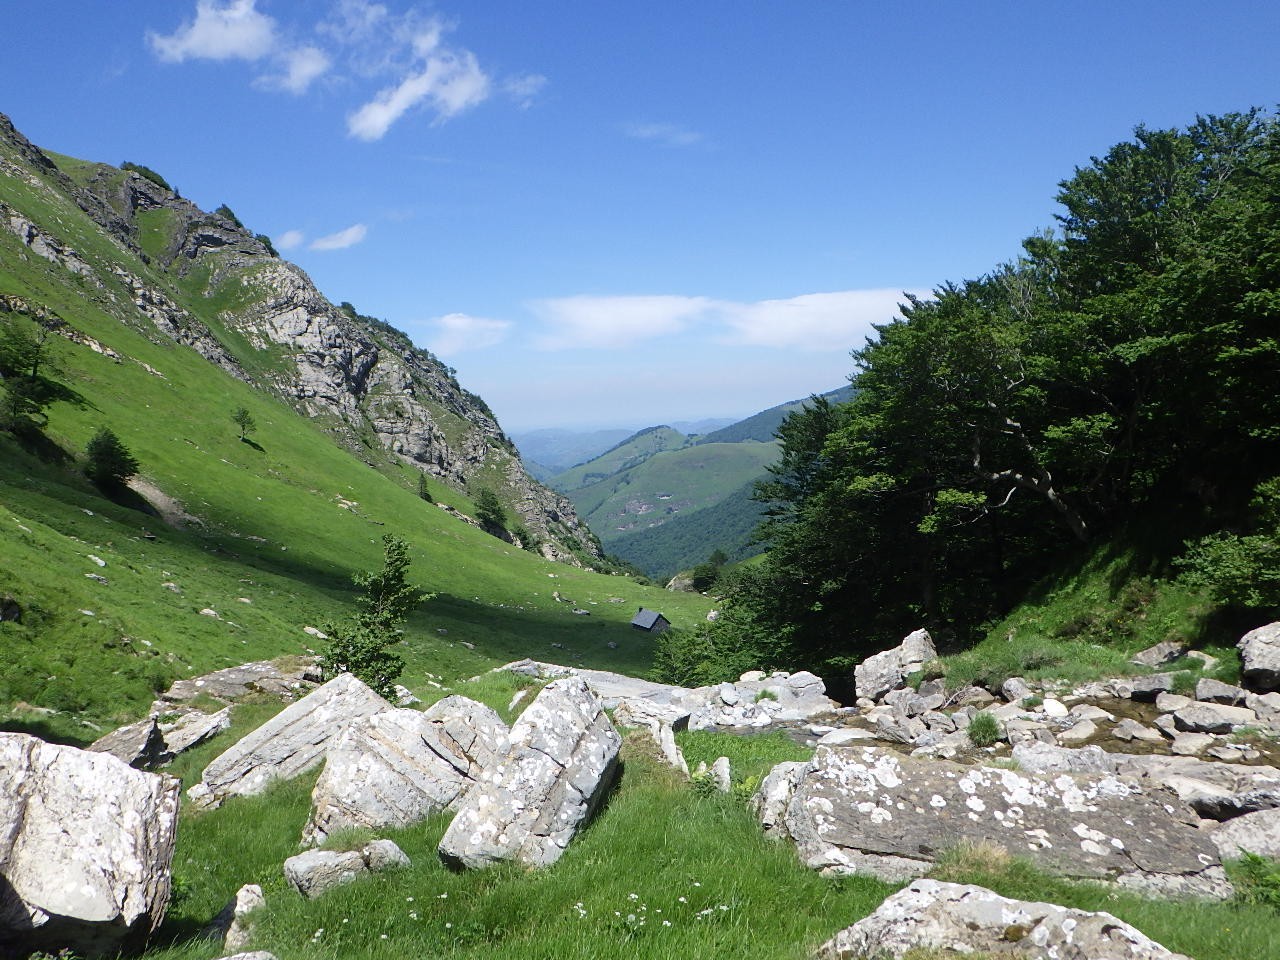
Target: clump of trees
point(1123, 367)
point(363, 645)
point(490, 512)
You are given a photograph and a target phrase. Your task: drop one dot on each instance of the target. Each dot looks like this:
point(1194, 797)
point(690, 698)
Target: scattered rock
point(1078, 733)
point(1164, 652)
point(560, 762)
point(1191, 744)
point(1146, 689)
point(1212, 718)
point(720, 775)
point(314, 872)
point(1133, 730)
point(235, 683)
point(85, 847)
point(192, 728)
point(398, 767)
point(1257, 833)
point(1015, 690)
point(1215, 691)
point(868, 810)
point(141, 745)
point(961, 919)
point(290, 743)
point(1169, 702)
point(1260, 651)
point(233, 926)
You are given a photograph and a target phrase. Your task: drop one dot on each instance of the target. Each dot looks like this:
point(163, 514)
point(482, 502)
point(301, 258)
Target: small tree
point(489, 511)
point(423, 490)
point(362, 646)
point(244, 420)
point(110, 462)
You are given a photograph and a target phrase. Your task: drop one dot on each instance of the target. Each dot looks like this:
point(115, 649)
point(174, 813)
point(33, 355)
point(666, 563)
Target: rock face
point(1260, 650)
point(870, 810)
point(288, 744)
point(960, 919)
point(885, 671)
point(85, 847)
point(558, 765)
point(399, 767)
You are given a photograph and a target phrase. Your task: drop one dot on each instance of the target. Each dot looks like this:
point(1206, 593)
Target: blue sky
point(608, 214)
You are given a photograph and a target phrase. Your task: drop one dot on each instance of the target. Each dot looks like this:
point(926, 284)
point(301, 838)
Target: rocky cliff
point(203, 280)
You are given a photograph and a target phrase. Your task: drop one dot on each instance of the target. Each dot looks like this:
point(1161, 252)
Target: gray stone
point(878, 674)
point(843, 735)
point(1046, 758)
point(1146, 689)
point(315, 871)
point(863, 809)
point(1257, 833)
point(290, 743)
point(1078, 733)
point(1260, 651)
point(251, 955)
point(190, 728)
point(961, 919)
point(1212, 718)
point(1088, 711)
point(1054, 708)
point(1164, 652)
point(85, 848)
point(1169, 702)
point(1215, 691)
point(141, 745)
point(398, 767)
point(671, 751)
point(1015, 690)
point(233, 926)
point(900, 728)
point(1133, 730)
point(721, 775)
point(234, 683)
point(1191, 744)
point(559, 764)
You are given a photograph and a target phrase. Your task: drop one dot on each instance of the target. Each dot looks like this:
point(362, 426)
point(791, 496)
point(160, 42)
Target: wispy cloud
point(811, 322)
point(456, 333)
point(448, 80)
point(300, 68)
point(342, 239)
point(289, 240)
point(611, 322)
point(229, 31)
point(668, 134)
point(524, 89)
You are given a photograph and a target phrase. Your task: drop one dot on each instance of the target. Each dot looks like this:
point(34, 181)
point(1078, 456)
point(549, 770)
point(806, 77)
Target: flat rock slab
point(558, 765)
point(141, 745)
point(235, 683)
point(86, 843)
point(958, 919)
point(399, 767)
point(290, 743)
point(866, 809)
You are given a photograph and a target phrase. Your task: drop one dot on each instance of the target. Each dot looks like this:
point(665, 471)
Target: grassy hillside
point(763, 426)
point(629, 453)
point(554, 451)
point(266, 533)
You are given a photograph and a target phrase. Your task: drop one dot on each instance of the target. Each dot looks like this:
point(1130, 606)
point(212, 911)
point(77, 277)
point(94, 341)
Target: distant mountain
point(663, 500)
point(554, 451)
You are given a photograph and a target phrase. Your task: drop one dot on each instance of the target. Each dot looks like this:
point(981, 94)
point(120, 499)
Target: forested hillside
point(1111, 391)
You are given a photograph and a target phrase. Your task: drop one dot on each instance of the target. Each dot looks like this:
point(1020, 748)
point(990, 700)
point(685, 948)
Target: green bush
point(147, 172)
point(984, 729)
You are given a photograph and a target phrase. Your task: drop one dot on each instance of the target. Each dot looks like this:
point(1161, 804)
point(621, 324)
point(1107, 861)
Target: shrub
point(489, 511)
point(984, 729)
point(362, 647)
point(244, 420)
point(110, 463)
point(147, 172)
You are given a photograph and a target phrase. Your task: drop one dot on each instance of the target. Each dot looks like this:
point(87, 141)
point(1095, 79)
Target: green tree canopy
point(110, 464)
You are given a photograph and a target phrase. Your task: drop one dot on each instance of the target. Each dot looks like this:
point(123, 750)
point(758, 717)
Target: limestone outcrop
point(559, 764)
point(1260, 651)
point(85, 847)
point(958, 919)
point(290, 743)
point(398, 767)
point(867, 809)
point(878, 674)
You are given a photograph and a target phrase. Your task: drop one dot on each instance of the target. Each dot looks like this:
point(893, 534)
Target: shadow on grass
point(50, 732)
point(249, 441)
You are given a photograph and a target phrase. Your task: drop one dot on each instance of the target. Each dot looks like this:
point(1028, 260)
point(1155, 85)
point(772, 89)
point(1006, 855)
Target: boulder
point(1078, 733)
point(1015, 690)
point(1128, 729)
point(868, 810)
point(290, 743)
point(1164, 652)
point(235, 683)
point(85, 847)
point(958, 919)
point(1192, 744)
point(397, 768)
point(721, 775)
point(1260, 651)
point(192, 728)
point(1215, 691)
point(878, 674)
point(1148, 688)
point(559, 764)
point(1212, 718)
point(1257, 833)
point(141, 745)
point(315, 871)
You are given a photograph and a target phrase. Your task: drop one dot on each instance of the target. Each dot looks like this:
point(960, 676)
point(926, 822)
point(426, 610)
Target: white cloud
point(668, 134)
point(455, 333)
point(229, 31)
point(608, 322)
point(837, 321)
point(301, 66)
point(524, 89)
point(816, 321)
point(450, 81)
point(289, 240)
point(342, 239)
